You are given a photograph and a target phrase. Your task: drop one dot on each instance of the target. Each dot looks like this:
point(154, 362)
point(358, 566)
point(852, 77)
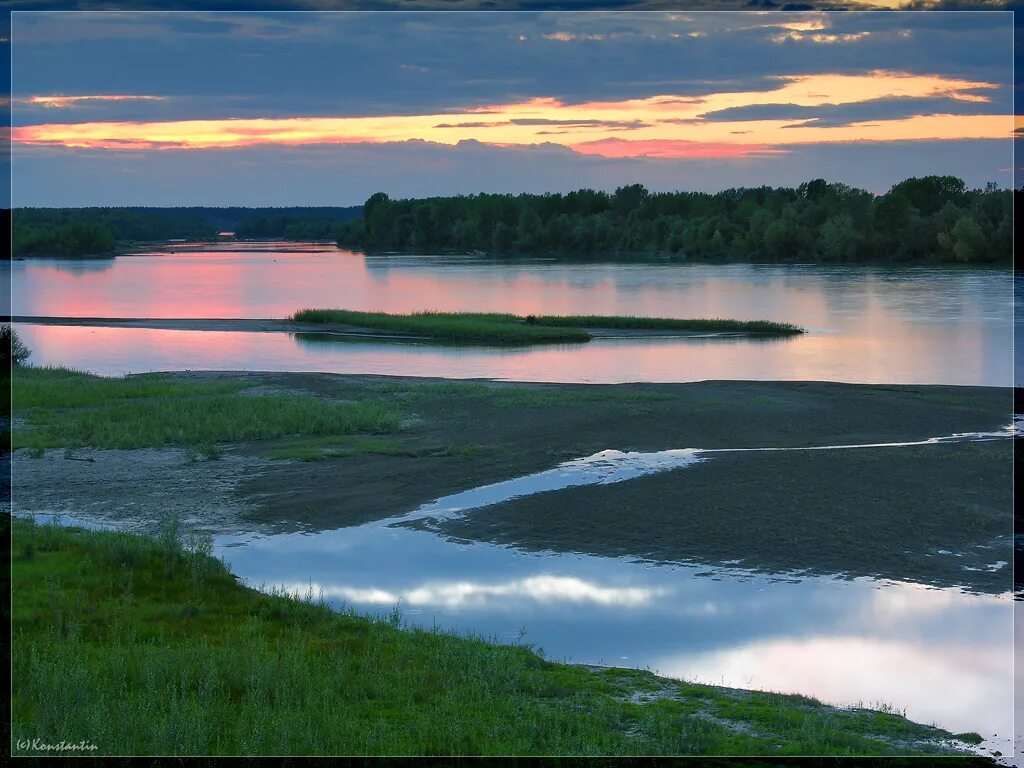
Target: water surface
point(941, 654)
point(866, 324)
point(938, 654)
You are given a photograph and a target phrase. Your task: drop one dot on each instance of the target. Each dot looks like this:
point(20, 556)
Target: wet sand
point(888, 512)
point(938, 515)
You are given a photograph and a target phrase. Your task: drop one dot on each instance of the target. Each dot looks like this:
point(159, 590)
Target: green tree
point(839, 238)
point(969, 241)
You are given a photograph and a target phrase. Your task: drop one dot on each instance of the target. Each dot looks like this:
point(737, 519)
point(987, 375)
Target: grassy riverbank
point(71, 409)
point(149, 646)
point(540, 329)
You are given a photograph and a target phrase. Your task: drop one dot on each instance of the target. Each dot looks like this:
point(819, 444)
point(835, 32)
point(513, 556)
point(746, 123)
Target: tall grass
point(55, 387)
point(513, 329)
point(72, 409)
point(712, 325)
point(125, 642)
point(448, 326)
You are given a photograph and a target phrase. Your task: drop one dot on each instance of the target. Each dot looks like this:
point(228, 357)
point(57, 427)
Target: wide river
point(865, 324)
point(941, 654)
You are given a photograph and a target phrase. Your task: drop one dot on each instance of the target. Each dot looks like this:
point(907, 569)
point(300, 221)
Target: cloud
point(61, 102)
point(602, 97)
point(278, 65)
point(659, 125)
point(348, 174)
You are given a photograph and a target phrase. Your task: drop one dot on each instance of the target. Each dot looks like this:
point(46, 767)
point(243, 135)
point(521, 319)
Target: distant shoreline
point(160, 247)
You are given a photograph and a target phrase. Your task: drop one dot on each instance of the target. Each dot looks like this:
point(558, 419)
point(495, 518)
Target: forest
point(929, 219)
point(98, 231)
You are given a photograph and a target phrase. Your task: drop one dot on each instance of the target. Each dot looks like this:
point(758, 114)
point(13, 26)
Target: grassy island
point(149, 646)
point(540, 329)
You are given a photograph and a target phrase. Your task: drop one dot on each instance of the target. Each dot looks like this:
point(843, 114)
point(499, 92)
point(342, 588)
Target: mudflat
point(937, 514)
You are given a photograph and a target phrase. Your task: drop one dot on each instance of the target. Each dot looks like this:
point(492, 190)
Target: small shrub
point(970, 738)
point(211, 451)
point(13, 350)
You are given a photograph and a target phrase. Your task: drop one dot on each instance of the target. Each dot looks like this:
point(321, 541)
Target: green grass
point(47, 387)
point(669, 324)
point(145, 646)
point(449, 326)
point(513, 329)
point(66, 408)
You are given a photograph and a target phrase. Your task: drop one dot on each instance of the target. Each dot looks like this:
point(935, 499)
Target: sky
point(258, 109)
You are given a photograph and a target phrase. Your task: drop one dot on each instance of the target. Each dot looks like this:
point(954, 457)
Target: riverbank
point(108, 625)
point(936, 514)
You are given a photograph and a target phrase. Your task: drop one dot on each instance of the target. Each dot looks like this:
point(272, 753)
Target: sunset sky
point(307, 109)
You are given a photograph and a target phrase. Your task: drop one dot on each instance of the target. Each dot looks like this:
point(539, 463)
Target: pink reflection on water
point(114, 351)
point(865, 324)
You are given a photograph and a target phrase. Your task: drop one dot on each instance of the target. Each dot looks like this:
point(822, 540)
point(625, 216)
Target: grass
point(149, 646)
point(669, 324)
point(70, 409)
point(513, 329)
point(449, 326)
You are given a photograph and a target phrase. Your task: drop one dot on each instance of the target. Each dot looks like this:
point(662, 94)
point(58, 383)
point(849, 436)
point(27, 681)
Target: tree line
point(934, 218)
point(94, 231)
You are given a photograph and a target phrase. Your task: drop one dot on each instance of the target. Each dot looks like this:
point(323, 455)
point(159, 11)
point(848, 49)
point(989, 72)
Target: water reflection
point(74, 266)
point(939, 653)
point(821, 357)
point(466, 594)
point(867, 324)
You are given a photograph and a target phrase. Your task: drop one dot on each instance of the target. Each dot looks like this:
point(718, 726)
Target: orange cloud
point(670, 125)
